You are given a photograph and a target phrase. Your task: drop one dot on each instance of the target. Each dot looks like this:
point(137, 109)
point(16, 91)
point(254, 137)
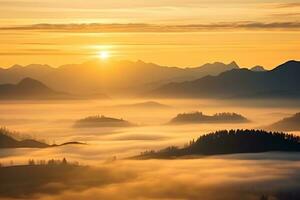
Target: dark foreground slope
point(231, 142)
point(50, 177)
point(281, 82)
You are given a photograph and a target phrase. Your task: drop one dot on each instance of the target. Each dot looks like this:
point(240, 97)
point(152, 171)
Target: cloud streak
point(136, 27)
point(288, 5)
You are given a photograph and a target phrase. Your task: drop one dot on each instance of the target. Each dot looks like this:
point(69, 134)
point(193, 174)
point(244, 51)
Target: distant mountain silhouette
point(231, 142)
point(258, 68)
point(108, 77)
point(287, 124)
point(101, 121)
point(145, 105)
point(199, 117)
point(29, 89)
point(281, 82)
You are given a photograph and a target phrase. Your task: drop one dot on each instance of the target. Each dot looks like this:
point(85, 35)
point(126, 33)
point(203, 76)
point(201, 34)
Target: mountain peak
point(233, 64)
point(290, 65)
point(29, 82)
point(258, 68)
point(140, 62)
point(16, 66)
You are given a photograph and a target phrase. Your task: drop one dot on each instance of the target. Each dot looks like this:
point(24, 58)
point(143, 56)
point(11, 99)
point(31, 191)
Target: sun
point(103, 55)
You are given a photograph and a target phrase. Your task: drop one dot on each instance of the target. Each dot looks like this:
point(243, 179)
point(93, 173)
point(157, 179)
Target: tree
point(64, 161)
point(31, 162)
point(264, 197)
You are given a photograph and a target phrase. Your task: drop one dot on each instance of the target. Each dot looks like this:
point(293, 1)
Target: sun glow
point(103, 55)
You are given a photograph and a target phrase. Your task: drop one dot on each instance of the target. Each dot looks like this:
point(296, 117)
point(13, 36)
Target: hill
point(199, 117)
point(101, 121)
point(8, 139)
point(108, 77)
point(231, 142)
point(281, 82)
point(29, 89)
point(287, 124)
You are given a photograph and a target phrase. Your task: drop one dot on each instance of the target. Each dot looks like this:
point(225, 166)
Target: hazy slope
point(281, 82)
point(287, 124)
point(29, 89)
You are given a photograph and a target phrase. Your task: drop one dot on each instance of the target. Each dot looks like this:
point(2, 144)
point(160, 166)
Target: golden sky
point(167, 32)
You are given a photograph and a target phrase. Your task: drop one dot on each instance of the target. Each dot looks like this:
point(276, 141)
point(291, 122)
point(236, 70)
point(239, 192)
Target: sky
point(180, 33)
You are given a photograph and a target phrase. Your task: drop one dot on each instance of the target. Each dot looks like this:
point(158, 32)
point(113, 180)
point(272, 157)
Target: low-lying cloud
point(207, 178)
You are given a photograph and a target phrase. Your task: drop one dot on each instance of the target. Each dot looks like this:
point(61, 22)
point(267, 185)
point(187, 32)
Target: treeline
point(199, 117)
point(17, 135)
point(50, 162)
point(230, 142)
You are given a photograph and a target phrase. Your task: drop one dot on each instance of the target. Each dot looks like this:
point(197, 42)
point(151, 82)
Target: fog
point(208, 178)
point(53, 123)
point(215, 177)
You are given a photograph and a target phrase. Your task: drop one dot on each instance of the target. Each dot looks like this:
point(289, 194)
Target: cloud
point(287, 5)
point(43, 52)
point(295, 14)
point(136, 27)
point(111, 4)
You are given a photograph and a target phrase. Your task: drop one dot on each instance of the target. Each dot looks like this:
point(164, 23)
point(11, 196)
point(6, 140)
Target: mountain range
point(116, 77)
point(90, 79)
point(281, 82)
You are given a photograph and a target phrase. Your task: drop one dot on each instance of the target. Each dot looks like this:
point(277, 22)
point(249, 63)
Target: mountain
point(258, 69)
point(200, 118)
point(118, 77)
point(230, 142)
point(28, 89)
point(287, 124)
point(281, 82)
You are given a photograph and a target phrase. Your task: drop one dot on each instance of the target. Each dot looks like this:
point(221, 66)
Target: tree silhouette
point(263, 197)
